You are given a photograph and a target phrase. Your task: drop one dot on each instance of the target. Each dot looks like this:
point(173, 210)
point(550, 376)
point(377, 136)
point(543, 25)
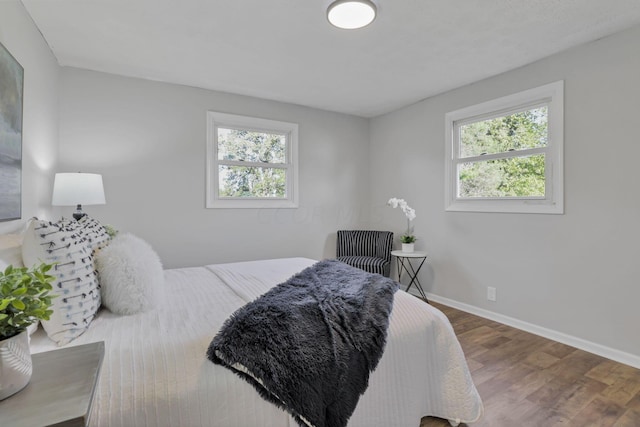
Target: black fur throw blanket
point(309, 344)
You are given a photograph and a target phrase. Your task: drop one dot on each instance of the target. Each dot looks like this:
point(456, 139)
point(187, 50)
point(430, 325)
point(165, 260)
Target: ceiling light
point(351, 14)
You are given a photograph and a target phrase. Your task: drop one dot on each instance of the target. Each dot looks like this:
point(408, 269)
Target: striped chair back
point(376, 244)
point(366, 249)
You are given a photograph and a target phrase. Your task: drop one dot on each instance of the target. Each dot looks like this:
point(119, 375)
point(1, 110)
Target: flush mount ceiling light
point(351, 14)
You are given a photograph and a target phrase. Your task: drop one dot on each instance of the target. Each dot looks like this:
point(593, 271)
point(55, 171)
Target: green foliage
point(248, 146)
point(515, 177)
point(519, 131)
point(242, 181)
point(408, 238)
point(522, 176)
point(111, 230)
point(265, 154)
point(24, 298)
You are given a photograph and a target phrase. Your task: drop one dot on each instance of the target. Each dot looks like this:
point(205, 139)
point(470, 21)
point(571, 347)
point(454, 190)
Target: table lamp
point(78, 189)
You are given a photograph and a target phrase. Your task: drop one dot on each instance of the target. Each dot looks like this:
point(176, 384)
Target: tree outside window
point(506, 155)
point(512, 174)
point(252, 162)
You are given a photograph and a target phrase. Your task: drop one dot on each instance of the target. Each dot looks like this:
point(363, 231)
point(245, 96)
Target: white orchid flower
point(410, 213)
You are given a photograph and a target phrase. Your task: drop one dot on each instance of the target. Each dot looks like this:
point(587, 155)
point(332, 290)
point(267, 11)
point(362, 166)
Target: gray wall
point(577, 273)
point(148, 139)
point(40, 110)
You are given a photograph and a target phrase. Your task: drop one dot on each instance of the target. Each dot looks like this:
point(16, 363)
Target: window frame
point(234, 121)
point(550, 95)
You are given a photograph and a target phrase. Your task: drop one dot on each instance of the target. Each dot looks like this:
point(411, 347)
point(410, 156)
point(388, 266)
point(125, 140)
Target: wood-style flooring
point(526, 380)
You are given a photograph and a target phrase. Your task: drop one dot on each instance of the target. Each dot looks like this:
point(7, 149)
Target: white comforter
point(155, 371)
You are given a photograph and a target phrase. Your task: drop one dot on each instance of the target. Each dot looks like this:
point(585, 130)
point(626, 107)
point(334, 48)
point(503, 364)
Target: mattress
point(155, 371)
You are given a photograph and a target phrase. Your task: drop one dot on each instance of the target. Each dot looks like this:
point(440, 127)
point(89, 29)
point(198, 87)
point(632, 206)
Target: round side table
point(403, 262)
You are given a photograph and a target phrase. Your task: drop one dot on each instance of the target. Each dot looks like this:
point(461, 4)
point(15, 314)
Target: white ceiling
point(286, 50)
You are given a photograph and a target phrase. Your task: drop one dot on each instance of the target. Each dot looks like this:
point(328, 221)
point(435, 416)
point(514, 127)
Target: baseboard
point(591, 347)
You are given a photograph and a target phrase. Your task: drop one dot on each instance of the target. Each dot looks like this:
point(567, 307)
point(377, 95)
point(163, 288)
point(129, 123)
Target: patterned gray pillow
point(94, 232)
point(70, 245)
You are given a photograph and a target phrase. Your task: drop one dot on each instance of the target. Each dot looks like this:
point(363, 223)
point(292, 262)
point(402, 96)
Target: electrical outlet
point(491, 293)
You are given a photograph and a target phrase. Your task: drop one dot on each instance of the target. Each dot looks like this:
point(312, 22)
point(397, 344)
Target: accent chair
point(368, 250)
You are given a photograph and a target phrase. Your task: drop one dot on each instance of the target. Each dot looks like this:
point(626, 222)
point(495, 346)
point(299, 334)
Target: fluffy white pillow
point(131, 275)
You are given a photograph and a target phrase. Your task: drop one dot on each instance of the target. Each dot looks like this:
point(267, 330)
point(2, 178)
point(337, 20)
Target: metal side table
point(403, 263)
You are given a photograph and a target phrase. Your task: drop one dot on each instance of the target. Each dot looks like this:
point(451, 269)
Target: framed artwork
point(11, 91)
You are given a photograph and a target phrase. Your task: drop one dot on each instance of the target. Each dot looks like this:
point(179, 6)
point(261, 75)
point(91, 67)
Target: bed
point(155, 372)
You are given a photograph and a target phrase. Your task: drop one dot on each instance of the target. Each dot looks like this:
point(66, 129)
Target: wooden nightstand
point(61, 389)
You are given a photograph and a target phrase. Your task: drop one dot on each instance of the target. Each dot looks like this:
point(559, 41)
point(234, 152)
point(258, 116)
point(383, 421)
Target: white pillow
point(76, 284)
point(131, 275)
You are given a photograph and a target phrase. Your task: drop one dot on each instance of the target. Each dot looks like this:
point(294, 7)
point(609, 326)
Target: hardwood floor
point(527, 380)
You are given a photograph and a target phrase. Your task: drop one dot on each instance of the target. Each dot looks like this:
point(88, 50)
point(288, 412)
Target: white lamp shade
point(351, 14)
point(71, 189)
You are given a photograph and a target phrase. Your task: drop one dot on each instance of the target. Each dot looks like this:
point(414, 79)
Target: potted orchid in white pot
point(408, 239)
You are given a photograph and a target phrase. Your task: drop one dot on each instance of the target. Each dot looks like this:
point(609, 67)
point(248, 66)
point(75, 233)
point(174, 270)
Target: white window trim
point(213, 199)
point(551, 95)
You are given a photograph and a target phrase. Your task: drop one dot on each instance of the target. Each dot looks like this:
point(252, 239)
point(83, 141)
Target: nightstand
point(403, 262)
point(61, 389)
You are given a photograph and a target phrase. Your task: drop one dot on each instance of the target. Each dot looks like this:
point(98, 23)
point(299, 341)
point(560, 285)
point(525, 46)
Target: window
point(505, 155)
point(251, 162)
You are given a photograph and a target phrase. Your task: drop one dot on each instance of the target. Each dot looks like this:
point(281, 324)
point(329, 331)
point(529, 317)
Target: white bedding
point(155, 371)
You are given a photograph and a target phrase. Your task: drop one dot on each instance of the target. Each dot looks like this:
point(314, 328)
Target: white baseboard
point(601, 350)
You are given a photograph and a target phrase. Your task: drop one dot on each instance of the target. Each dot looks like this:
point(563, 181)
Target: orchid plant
point(410, 213)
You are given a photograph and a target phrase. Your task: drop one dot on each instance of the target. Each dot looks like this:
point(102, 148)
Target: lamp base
point(78, 213)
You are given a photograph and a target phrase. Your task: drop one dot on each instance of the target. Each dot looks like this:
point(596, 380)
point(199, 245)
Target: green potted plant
point(407, 241)
point(24, 300)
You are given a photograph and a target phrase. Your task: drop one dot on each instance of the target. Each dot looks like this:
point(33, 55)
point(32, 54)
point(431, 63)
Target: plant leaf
point(16, 303)
point(19, 291)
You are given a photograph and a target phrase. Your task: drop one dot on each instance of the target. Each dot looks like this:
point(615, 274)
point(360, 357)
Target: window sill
point(506, 206)
point(251, 204)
